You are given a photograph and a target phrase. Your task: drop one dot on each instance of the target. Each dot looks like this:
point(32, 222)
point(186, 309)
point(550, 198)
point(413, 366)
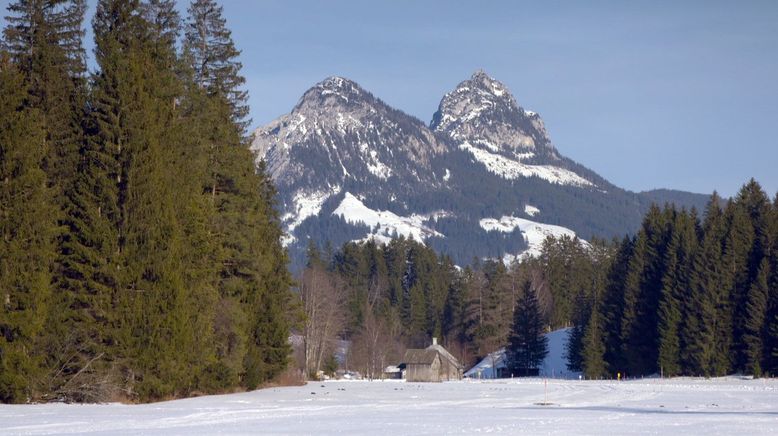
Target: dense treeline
point(139, 249)
point(681, 297)
point(402, 294)
point(685, 297)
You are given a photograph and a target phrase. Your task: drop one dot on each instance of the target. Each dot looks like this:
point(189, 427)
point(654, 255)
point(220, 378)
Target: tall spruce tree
point(142, 199)
point(756, 311)
point(27, 231)
point(743, 254)
point(593, 352)
point(575, 344)
point(134, 103)
point(613, 306)
point(771, 347)
point(707, 329)
point(527, 345)
point(44, 40)
point(254, 282)
point(212, 52)
point(675, 292)
point(641, 296)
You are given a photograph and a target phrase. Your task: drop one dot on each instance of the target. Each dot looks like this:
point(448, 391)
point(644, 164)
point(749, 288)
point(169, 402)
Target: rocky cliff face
point(356, 135)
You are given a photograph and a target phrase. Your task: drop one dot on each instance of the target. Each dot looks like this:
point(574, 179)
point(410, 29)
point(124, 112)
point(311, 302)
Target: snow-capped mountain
point(340, 135)
point(483, 118)
point(483, 179)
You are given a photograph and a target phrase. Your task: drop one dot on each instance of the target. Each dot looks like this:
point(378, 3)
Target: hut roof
point(445, 354)
point(425, 357)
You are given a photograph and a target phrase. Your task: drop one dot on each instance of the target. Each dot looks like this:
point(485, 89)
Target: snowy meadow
point(652, 406)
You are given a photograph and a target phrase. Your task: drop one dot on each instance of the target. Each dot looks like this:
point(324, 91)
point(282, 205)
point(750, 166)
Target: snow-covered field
point(675, 406)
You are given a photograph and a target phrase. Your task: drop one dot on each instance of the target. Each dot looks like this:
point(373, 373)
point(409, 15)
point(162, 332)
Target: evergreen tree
point(44, 40)
point(575, 344)
point(454, 328)
point(707, 330)
point(771, 323)
point(140, 247)
point(593, 353)
point(738, 245)
point(253, 277)
point(527, 346)
point(675, 292)
point(135, 113)
point(642, 293)
point(27, 249)
point(613, 306)
point(756, 309)
point(213, 55)
point(164, 24)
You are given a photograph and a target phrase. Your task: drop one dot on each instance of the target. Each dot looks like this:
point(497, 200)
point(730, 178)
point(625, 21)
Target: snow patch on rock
point(378, 168)
point(531, 210)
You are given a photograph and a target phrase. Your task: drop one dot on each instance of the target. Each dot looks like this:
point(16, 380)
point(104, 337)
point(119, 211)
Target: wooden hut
point(432, 364)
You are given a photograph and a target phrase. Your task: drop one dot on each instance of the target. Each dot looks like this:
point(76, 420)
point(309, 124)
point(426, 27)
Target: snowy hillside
point(728, 406)
point(384, 223)
point(534, 233)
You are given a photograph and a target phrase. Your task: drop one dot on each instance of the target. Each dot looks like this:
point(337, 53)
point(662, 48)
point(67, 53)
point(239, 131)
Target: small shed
point(422, 366)
point(432, 364)
point(393, 372)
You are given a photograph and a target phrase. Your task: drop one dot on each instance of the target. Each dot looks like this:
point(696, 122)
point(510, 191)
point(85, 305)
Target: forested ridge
point(139, 247)
point(686, 295)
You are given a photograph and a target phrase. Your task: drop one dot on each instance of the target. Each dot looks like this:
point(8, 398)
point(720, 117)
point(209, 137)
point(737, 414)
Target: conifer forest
point(689, 294)
point(141, 252)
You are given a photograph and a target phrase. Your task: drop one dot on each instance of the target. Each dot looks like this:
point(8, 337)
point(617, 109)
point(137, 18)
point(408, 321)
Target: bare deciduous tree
point(322, 294)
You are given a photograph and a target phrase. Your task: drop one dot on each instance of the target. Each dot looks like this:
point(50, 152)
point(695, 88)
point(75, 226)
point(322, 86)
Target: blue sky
point(649, 94)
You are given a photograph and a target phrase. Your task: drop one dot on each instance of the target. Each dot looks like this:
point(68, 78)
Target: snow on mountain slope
point(534, 233)
point(384, 224)
point(512, 169)
point(306, 204)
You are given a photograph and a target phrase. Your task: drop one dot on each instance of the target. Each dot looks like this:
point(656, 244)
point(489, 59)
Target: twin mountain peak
point(483, 179)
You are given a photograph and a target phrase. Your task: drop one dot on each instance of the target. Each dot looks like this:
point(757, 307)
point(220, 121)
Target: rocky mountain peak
point(339, 133)
point(481, 110)
point(486, 84)
point(334, 94)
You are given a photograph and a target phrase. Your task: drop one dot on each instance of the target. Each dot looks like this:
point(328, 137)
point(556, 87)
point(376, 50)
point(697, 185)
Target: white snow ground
point(670, 406)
